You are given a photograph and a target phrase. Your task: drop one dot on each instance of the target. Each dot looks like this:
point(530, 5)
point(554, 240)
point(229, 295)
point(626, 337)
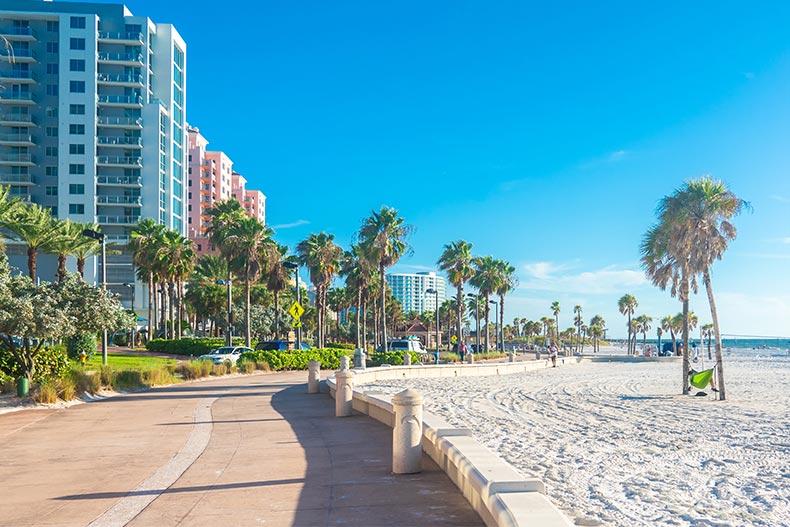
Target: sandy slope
point(617, 446)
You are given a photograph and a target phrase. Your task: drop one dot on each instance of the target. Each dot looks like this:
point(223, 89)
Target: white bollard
point(344, 362)
point(407, 433)
point(406, 358)
point(345, 390)
point(511, 357)
point(470, 358)
point(313, 376)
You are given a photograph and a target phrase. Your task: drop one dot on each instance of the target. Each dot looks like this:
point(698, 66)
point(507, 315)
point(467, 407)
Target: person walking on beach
point(553, 355)
point(462, 350)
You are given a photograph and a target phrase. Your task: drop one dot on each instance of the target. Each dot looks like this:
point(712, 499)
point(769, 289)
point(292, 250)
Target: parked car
point(666, 349)
point(404, 345)
point(225, 353)
point(278, 345)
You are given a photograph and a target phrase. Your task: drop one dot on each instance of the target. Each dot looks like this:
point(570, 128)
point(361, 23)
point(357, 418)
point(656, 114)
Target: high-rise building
point(92, 120)
point(212, 179)
point(410, 289)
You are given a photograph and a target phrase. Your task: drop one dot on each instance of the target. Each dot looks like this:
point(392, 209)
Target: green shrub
point(66, 388)
point(128, 380)
point(221, 369)
point(340, 346)
point(296, 359)
point(391, 357)
point(85, 382)
point(51, 363)
point(195, 369)
point(452, 357)
point(157, 377)
point(81, 342)
point(45, 394)
point(120, 339)
point(7, 383)
point(194, 347)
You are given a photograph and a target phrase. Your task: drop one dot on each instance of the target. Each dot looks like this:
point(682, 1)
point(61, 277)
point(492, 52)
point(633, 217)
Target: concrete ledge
point(627, 358)
point(499, 494)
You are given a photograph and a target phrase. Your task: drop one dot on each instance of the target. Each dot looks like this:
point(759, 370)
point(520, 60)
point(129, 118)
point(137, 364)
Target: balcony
point(16, 119)
point(129, 38)
point(16, 98)
point(18, 33)
point(125, 201)
point(118, 161)
point(120, 181)
point(120, 79)
point(121, 142)
point(17, 159)
point(122, 101)
point(19, 56)
point(125, 59)
point(17, 77)
point(120, 122)
point(16, 179)
point(118, 220)
point(16, 140)
point(117, 239)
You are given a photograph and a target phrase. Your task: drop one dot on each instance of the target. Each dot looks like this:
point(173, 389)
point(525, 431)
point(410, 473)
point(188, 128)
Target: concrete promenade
point(248, 450)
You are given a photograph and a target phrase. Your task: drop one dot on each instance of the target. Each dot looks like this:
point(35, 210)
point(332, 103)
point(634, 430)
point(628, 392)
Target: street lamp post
point(436, 316)
point(294, 265)
point(496, 324)
point(229, 332)
point(96, 235)
point(477, 320)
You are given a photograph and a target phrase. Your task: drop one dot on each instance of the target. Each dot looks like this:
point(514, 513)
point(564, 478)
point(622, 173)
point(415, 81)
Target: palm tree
point(322, 256)
point(247, 242)
point(508, 282)
point(627, 305)
point(456, 261)
point(31, 225)
point(143, 244)
point(206, 297)
point(382, 238)
point(577, 321)
point(598, 322)
point(67, 239)
point(707, 333)
point(277, 278)
point(176, 259)
point(697, 219)
point(546, 322)
point(487, 280)
point(86, 247)
point(7, 205)
point(644, 327)
point(555, 309)
point(358, 272)
point(336, 299)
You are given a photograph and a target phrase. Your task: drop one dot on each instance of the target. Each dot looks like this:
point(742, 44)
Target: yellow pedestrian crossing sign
point(296, 311)
point(453, 339)
point(296, 324)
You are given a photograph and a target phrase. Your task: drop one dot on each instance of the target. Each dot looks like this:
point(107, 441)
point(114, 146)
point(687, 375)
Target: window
point(77, 65)
point(51, 191)
point(77, 129)
point(77, 44)
point(76, 149)
point(76, 208)
point(54, 212)
point(51, 171)
point(52, 68)
point(77, 109)
point(51, 111)
point(76, 188)
point(52, 131)
point(78, 22)
point(52, 25)
point(52, 89)
point(51, 151)
point(52, 47)
point(77, 86)
point(75, 168)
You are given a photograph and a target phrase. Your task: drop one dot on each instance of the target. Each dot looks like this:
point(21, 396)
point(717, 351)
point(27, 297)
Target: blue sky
point(543, 134)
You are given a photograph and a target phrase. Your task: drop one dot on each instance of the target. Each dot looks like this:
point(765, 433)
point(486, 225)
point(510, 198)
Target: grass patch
point(45, 394)
point(129, 362)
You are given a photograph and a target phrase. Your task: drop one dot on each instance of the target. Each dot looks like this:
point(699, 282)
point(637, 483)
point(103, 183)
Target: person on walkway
point(553, 355)
point(462, 350)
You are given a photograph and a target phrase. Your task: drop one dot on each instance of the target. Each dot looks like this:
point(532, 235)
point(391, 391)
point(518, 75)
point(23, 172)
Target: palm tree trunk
point(365, 324)
point(180, 315)
point(151, 302)
point(61, 267)
point(686, 363)
point(81, 267)
point(359, 308)
point(629, 333)
point(171, 293)
point(487, 314)
point(32, 254)
point(717, 335)
point(276, 315)
point(502, 319)
point(247, 304)
point(383, 283)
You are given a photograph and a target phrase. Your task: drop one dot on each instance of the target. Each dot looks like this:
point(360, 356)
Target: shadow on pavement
point(173, 490)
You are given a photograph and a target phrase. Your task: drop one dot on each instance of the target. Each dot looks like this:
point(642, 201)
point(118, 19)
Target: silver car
point(225, 353)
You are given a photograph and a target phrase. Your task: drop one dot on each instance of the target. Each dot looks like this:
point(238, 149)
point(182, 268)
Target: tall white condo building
point(92, 121)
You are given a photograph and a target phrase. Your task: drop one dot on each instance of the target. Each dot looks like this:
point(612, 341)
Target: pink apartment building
point(212, 179)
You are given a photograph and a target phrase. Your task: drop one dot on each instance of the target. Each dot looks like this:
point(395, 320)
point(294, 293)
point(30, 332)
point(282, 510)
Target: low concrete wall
point(499, 494)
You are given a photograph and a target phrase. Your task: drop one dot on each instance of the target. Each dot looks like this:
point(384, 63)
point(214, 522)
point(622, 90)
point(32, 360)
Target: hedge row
point(297, 359)
point(194, 347)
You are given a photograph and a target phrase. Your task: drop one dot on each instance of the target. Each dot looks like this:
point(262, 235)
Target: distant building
point(409, 289)
point(92, 112)
point(211, 180)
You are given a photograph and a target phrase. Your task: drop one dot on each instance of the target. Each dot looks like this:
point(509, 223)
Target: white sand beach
point(616, 444)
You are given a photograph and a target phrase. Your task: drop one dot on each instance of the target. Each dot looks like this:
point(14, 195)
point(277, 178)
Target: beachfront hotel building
point(409, 289)
point(92, 123)
point(211, 179)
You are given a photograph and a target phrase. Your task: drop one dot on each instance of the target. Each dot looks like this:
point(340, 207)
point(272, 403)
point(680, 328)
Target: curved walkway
point(251, 450)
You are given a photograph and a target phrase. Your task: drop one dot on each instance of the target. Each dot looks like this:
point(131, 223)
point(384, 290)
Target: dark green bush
point(391, 357)
point(120, 339)
point(297, 359)
point(194, 347)
point(80, 342)
point(340, 346)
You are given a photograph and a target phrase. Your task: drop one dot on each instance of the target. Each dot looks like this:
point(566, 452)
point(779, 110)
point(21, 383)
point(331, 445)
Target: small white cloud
point(617, 155)
point(748, 75)
point(547, 276)
point(297, 223)
point(786, 240)
point(781, 199)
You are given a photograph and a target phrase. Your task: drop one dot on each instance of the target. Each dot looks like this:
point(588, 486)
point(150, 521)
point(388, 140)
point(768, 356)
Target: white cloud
point(781, 199)
point(297, 223)
point(744, 314)
point(617, 155)
point(547, 276)
point(786, 240)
